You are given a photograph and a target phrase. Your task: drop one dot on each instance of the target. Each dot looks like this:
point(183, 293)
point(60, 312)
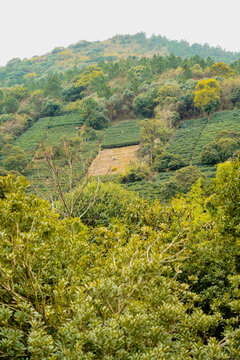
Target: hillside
point(120, 205)
point(181, 113)
point(188, 142)
point(83, 53)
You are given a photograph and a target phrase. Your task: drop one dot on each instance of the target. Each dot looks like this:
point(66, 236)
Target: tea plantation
point(50, 129)
point(226, 120)
point(122, 134)
point(188, 142)
point(193, 135)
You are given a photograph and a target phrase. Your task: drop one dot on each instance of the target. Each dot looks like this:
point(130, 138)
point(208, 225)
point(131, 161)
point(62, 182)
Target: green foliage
point(19, 92)
point(122, 134)
point(193, 135)
point(144, 103)
point(167, 93)
point(56, 127)
point(53, 87)
point(222, 69)
point(50, 107)
point(13, 158)
point(139, 74)
point(228, 120)
point(153, 134)
point(221, 149)
point(89, 133)
point(73, 93)
point(10, 150)
point(111, 202)
point(225, 202)
point(181, 181)
point(10, 104)
point(145, 281)
point(17, 162)
point(93, 113)
point(167, 161)
point(136, 172)
point(186, 106)
point(88, 76)
point(207, 95)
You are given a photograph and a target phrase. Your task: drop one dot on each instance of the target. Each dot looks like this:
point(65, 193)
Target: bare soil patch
point(113, 161)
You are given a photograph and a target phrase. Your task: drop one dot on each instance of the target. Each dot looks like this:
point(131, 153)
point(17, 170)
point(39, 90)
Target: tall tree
point(207, 96)
point(152, 132)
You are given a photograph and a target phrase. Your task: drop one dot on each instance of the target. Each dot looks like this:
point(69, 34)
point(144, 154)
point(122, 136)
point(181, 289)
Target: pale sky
point(34, 27)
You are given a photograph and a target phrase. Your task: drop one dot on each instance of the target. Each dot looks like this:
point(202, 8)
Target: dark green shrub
point(73, 93)
point(210, 154)
point(236, 97)
point(11, 104)
point(98, 121)
point(227, 147)
point(93, 113)
point(89, 133)
point(144, 104)
point(181, 181)
point(50, 107)
point(136, 172)
point(221, 149)
point(167, 161)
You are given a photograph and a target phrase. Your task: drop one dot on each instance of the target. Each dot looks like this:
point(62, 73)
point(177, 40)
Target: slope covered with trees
point(96, 271)
point(84, 53)
point(87, 106)
point(132, 280)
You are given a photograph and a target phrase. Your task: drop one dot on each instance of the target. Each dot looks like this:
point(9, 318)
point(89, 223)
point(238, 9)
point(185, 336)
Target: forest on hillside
point(137, 265)
point(85, 53)
point(154, 102)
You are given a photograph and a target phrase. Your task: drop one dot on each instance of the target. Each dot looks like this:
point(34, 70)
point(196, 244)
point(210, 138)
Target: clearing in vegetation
point(113, 161)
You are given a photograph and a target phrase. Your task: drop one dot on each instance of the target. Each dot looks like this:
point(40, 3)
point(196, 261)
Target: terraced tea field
point(226, 120)
point(186, 138)
point(193, 135)
point(51, 130)
point(124, 133)
point(121, 142)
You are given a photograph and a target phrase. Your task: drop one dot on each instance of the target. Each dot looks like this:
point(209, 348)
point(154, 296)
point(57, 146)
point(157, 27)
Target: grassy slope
point(186, 138)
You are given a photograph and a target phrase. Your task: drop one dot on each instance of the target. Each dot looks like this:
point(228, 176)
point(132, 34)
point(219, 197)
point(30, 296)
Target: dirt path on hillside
point(113, 161)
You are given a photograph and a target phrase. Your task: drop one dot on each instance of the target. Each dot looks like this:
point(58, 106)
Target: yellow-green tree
point(207, 96)
point(90, 74)
point(222, 69)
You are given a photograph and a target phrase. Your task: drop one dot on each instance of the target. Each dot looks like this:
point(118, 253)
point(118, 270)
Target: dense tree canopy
point(147, 281)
